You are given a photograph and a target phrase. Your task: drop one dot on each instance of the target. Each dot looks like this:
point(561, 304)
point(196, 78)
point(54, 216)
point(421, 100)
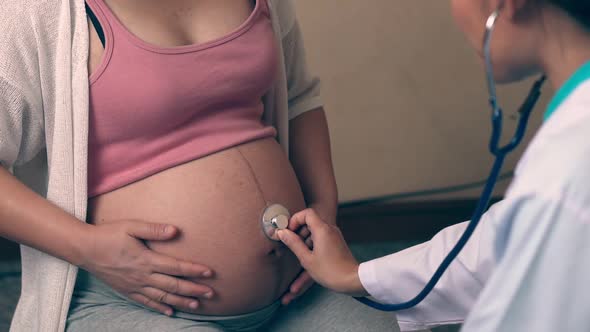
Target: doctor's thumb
point(294, 242)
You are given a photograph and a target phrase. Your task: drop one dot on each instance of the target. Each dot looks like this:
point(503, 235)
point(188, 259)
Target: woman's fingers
point(301, 284)
point(180, 287)
point(174, 267)
point(148, 302)
point(298, 287)
point(151, 231)
point(157, 281)
point(162, 297)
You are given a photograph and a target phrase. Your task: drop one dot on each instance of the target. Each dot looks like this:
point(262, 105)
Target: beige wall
point(405, 95)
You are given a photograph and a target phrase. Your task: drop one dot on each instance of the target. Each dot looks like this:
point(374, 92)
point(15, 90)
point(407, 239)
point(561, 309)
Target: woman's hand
point(115, 253)
point(330, 262)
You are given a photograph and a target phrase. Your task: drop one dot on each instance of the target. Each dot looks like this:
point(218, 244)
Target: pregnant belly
point(217, 203)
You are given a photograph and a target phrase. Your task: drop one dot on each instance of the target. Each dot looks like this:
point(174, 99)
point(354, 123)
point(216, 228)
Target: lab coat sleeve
point(540, 283)
point(401, 276)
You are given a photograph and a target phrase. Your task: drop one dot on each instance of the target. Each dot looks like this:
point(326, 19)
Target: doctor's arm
point(540, 282)
point(399, 277)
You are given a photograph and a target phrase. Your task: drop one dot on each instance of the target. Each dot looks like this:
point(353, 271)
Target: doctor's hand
point(304, 281)
point(330, 262)
point(117, 254)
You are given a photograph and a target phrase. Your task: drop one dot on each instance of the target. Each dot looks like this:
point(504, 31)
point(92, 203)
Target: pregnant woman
point(169, 127)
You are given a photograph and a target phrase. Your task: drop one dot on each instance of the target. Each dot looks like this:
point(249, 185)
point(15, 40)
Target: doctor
point(527, 266)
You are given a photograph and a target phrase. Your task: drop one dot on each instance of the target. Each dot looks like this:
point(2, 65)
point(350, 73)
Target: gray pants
point(96, 307)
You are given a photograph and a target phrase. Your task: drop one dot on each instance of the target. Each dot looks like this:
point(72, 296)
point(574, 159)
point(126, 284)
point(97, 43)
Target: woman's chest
point(169, 24)
point(174, 85)
point(173, 23)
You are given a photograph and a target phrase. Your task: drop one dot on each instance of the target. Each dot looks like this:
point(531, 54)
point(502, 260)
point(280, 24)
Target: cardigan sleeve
point(21, 129)
point(21, 113)
point(303, 86)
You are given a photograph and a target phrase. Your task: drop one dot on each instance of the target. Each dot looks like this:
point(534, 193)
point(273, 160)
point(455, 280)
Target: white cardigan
point(44, 125)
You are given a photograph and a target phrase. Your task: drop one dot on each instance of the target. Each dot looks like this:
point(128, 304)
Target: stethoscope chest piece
point(275, 217)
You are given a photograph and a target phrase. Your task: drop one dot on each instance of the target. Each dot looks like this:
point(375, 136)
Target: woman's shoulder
point(20, 21)
point(13, 10)
point(35, 15)
point(284, 6)
point(284, 11)
point(28, 42)
point(25, 28)
point(14, 17)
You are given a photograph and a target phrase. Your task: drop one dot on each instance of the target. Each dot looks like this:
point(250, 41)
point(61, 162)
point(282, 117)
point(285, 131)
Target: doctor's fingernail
point(280, 234)
point(209, 295)
point(194, 305)
point(207, 273)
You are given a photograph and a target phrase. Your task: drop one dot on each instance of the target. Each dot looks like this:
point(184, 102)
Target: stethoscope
point(277, 217)
point(500, 154)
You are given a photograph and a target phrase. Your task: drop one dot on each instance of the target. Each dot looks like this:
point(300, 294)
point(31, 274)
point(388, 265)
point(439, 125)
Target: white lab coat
point(399, 277)
point(527, 265)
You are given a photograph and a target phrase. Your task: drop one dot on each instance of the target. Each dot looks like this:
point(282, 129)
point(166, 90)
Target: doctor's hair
point(578, 9)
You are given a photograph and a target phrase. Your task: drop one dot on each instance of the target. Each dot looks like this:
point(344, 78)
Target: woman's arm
point(28, 219)
point(113, 252)
point(311, 157)
point(309, 141)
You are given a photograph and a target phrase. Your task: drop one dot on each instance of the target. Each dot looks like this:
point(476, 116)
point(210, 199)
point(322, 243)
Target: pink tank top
point(152, 108)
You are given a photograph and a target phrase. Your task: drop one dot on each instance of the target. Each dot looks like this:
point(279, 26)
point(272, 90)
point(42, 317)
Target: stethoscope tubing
point(498, 151)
